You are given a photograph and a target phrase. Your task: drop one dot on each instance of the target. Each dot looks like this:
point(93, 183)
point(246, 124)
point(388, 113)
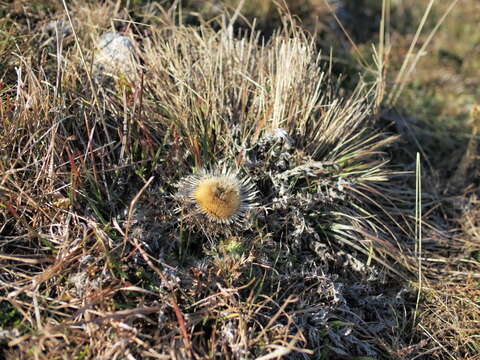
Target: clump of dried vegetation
point(340, 259)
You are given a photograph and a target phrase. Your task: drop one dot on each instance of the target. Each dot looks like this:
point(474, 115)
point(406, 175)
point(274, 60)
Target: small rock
point(116, 56)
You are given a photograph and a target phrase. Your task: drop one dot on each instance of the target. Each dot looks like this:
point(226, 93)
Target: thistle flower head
point(215, 201)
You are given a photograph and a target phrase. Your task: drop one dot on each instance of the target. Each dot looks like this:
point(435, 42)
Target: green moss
point(232, 246)
point(83, 354)
point(10, 317)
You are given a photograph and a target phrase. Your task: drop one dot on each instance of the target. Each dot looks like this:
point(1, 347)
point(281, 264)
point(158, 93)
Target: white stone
point(116, 55)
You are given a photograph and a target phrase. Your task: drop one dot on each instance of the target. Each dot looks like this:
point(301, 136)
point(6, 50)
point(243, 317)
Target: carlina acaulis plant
point(215, 201)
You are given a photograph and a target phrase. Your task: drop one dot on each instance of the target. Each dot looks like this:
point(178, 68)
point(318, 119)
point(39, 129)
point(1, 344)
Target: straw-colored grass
point(96, 261)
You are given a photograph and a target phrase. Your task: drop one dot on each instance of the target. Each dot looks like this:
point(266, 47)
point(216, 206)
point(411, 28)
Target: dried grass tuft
point(95, 261)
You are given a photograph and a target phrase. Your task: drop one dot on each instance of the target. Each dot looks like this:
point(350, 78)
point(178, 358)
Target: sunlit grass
point(96, 262)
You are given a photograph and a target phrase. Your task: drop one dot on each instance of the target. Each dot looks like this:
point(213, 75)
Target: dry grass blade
point(97, 263)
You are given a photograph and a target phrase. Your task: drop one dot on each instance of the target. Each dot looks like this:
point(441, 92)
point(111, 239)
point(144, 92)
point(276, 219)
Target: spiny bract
point(216, 201)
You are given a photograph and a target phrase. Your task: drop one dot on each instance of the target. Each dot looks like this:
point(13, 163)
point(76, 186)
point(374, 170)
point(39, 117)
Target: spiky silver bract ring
point(218, 202)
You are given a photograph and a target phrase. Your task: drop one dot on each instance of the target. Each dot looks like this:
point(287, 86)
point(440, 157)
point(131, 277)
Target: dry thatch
point(95, 261)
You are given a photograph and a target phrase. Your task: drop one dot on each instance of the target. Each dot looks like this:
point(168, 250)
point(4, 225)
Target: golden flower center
point(218, 198)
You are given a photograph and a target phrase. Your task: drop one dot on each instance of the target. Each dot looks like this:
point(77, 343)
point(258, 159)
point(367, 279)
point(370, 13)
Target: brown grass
point(95, 261)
